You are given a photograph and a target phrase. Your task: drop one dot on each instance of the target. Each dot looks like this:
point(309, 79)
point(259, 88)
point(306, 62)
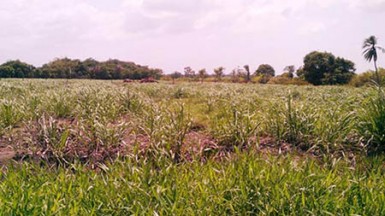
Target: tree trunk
point(377, 75)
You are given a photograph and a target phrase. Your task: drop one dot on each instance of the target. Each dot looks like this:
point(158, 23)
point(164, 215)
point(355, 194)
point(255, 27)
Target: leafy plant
point(292, 123)
point(52, 139)
point(235, 127)
point(10, 115)
point(372, 123)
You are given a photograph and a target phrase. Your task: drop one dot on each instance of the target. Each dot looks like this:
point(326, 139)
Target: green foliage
point(229, 113)
point(52, 137)
point(370, 53)
point(63, 68)
point(372, 123)
point(246, 185)
point(265, 72)
point(323, 68)
point(74, 68)
point(166, 129)
point(290, 123)
point(368, 78)
point(16, 69)
point(370, 48)
point(321, 127)
point(265, 69)
point(6, 71)
point(235, 127)
point(114, 149)
point(10, 114)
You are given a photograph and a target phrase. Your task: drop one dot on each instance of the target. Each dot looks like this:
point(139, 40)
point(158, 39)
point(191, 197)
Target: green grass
point(245, 184)
point(107, 148)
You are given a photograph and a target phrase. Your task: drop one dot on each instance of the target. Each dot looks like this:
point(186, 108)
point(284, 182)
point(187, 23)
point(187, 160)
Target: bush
point(372, 123)
point(263, 79)
point(367, 78)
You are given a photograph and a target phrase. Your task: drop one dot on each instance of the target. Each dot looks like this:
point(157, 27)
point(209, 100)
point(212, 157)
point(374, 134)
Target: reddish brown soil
point(198, 144)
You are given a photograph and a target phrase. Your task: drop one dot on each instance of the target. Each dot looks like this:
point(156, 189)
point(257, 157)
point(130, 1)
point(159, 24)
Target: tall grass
point(372, 123)
point(245, 185)
point(324, 118)
point(135, 137)
point(235, 127)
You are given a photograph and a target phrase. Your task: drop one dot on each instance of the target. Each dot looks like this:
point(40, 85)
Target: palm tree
point(370, 52)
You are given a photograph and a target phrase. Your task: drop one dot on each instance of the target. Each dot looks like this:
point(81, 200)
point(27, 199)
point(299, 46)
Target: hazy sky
point(172, 34)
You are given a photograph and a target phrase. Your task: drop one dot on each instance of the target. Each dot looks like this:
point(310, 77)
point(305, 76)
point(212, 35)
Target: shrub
point(366, 78)
point(235, 127)
point(291, 123)
point(372, 123)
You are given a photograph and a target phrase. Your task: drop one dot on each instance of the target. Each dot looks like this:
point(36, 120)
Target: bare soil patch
point(25, 143)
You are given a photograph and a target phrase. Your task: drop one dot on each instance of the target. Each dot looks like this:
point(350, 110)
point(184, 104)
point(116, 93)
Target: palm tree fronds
point(370, 54)
point(380, 48)
point(370, 42)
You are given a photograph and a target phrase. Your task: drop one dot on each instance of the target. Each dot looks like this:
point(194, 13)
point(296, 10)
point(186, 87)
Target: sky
point(173, 34)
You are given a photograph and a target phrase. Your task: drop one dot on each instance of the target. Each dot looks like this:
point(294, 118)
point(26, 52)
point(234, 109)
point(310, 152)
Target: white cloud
point(59, 19)
point(368, 5)
point(310, 28)
point(148, 28)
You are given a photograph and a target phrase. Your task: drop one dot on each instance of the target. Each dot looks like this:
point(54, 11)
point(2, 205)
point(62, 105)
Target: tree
point(290, 69)
point(175, 75)
point(219, 71)
point(91, 66)
point(6, 71)
point(265, 72)
point(343, 72)
point(370, 53)
point(323, 68)
point(102, 72)
point(63, 68)
point(74, 68)
point(202, 74)
point(237, 74)
point(16, 69)
point(265, 69)
point(156, 73)
point(247, 69)
point(189, 73)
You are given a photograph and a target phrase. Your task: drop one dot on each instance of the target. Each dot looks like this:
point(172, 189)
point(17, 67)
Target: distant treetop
point(323, 68)
point(74, 68)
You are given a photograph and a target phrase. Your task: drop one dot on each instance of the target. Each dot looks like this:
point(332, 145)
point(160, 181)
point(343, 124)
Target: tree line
point(74, 68)
point(264, 72)
point(319, 68)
